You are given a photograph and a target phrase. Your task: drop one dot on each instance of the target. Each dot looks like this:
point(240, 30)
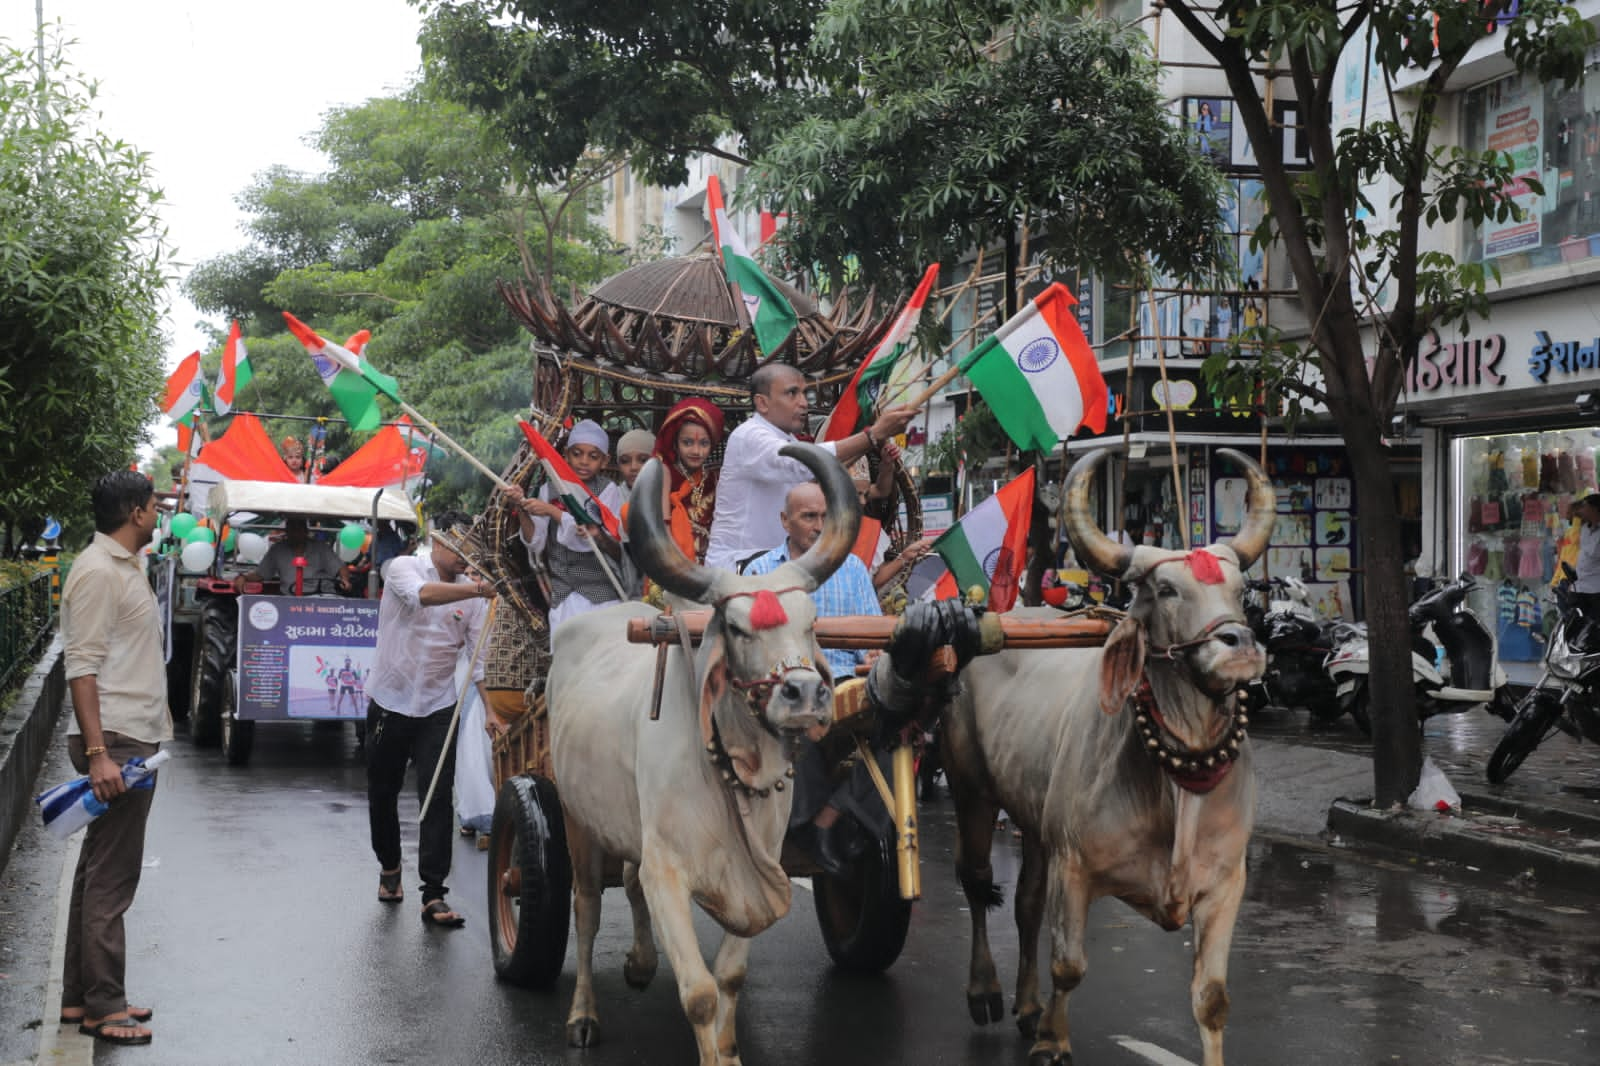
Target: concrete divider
point(27, 722)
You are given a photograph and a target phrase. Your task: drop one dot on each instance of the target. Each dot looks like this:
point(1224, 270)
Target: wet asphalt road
point(258, 939)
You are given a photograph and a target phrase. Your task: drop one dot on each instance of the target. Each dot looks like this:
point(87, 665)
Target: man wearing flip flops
point(430, 611)
point(118, 683)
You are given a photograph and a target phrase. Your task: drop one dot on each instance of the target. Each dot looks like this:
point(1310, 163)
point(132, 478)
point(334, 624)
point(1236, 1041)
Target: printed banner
point(304, 657)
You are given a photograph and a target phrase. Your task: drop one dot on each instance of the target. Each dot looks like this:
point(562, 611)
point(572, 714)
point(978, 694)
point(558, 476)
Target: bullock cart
point(863, 916)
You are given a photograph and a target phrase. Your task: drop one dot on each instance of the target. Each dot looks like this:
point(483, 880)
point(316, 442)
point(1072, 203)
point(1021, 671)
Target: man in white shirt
point(1587, 585)
point(754, 478)
point(430, 612)
point(300, 565)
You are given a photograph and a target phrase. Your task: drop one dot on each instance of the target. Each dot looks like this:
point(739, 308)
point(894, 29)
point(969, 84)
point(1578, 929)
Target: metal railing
point(27, 619)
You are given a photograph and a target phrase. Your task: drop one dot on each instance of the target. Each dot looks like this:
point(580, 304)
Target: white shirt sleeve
point(405, 582)
point(756, 456)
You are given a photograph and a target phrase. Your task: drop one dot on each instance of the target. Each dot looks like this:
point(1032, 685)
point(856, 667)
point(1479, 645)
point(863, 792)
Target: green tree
point(972, 117)
point(83, 262)
point(417, 218)
point(1340, 254)
point(655, 80)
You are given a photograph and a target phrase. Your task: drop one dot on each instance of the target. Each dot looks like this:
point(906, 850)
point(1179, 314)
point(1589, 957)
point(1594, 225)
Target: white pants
point(574, 605)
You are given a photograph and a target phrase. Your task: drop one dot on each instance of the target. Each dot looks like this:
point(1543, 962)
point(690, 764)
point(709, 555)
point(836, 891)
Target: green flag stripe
point(1009, 395)
point(965, 566)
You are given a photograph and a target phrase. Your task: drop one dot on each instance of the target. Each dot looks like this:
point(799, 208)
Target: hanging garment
point(1475, 516)
point(1566, 472)
point(1530, 468)
point(1498, 483)
point(1477, 559)
point(1530, 558)
point(1549, 478)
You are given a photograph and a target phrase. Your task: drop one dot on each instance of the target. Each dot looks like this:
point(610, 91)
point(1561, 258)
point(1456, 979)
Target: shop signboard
point(938, 513)
point(304, 657)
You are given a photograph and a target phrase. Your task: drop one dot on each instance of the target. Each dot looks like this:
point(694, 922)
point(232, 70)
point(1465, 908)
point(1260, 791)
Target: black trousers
point(393, 740)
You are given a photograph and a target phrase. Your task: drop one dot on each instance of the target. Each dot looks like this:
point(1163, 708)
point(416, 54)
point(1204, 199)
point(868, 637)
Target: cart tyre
point(213, 658)
point(862, 917)
point(238, 737)
point(529, 922)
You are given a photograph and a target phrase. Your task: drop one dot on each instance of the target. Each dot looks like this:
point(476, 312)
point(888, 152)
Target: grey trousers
point(103, 887)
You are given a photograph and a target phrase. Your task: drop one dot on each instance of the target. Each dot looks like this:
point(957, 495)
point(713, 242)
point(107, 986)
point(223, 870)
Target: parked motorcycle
point(1297, 641)
point(1564, 697)
point(1461, 644)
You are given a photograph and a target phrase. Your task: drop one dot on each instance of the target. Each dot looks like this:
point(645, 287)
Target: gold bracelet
point(90, 753)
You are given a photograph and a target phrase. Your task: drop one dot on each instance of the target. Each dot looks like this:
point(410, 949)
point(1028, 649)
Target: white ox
point(1125, 767)
point(694, 803)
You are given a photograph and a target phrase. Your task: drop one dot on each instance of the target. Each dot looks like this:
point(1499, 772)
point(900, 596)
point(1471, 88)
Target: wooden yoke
point(872, 632)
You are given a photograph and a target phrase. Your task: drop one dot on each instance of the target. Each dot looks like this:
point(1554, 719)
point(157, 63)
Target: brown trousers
point(102, 889)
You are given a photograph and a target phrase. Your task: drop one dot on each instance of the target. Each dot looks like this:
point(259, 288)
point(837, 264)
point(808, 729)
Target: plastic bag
point(1434, 791)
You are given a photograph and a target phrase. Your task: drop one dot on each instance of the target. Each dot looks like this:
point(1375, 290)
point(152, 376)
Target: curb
point(1466, 841)
point(26, 726)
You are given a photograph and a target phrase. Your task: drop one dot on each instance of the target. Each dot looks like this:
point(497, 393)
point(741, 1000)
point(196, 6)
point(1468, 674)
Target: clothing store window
point(1553, 136)
point(1514, 525)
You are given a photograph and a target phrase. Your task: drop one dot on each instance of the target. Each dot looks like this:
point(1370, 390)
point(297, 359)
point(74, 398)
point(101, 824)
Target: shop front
point(1511, 423)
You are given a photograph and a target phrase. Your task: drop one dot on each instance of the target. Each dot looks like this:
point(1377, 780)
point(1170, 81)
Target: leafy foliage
point(406, 234)
point(654, 80)
point(82, 270)
point(972, 117)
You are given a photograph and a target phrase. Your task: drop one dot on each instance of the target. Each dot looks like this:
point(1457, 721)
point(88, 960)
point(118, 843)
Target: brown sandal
point(437, 913)
point(389, 890)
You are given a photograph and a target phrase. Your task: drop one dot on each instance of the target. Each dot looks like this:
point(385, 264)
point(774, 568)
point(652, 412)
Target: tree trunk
point(1396, 738)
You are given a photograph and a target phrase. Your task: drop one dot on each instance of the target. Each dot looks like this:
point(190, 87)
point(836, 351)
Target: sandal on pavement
point(135, 1033)
point(138, 1014)
point(389, 890)
point(436, 912)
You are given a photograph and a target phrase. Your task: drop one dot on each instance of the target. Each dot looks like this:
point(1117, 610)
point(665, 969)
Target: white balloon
point(197, 556)
point(347, 555)
point(251, 548)
point(155, 541)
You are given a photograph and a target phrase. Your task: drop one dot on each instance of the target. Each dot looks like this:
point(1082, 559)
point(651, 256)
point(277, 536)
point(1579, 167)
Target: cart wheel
point(238, 737)
point(862, 917)
point(530, 883)
point(213, 658)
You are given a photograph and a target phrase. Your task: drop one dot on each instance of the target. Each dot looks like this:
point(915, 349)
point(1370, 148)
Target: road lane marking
point(1158, 1055)
point(62, 1045)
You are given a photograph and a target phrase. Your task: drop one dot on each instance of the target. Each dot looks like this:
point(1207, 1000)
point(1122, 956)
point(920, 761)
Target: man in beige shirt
point(118, 682)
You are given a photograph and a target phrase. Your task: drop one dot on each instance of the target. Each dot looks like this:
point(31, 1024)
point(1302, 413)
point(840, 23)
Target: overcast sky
point(218, 90)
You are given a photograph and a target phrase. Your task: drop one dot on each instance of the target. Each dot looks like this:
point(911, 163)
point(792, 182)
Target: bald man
point(754, 478)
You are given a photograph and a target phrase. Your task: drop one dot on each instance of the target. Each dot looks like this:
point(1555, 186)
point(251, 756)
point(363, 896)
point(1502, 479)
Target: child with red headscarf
point(691, 431)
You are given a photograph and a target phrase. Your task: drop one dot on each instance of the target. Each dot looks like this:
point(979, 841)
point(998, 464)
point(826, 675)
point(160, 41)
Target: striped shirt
point(848, 591)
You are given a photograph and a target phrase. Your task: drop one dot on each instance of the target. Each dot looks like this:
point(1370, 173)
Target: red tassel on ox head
point(1207, 568)
point(766, 612)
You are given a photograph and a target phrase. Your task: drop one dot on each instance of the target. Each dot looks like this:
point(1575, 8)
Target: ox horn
point(843, 521)
point(1094, 549)
point(657, 554)
point(1251, 540)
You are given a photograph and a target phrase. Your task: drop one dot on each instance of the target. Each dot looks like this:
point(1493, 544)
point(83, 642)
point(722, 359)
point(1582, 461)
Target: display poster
point(1513, 119)
point(304, 657)
point(938, 513)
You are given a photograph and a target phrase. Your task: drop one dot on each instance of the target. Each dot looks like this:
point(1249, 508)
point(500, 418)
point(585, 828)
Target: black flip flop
point(434, 909)
point(389, 890)
point(138, 1014)
point(98, 1031)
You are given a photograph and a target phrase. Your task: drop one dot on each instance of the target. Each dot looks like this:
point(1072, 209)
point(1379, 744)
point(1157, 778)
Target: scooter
point(1297, 641)
point(1460, 644)
point(1564, 697)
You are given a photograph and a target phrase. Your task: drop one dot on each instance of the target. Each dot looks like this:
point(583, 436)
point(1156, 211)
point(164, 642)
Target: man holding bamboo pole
point(431, 610)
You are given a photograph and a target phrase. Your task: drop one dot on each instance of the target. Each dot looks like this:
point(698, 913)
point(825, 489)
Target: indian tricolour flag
point(988, 548)
point(1038, 374)
point(567, 487)
point(861, 395)
point(770, 312)
point(353, 381)
point(185, 398)
point(234, 374)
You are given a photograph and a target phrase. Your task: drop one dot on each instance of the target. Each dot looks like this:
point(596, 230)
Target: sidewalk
point(1543, 824)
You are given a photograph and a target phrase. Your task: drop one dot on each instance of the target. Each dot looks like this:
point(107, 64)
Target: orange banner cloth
point(245, 452)
point(384, 460)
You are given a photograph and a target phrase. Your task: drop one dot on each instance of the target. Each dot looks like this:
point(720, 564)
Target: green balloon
point(201, 534)
point(182, 523)
point(352, 537)
point(230, 541)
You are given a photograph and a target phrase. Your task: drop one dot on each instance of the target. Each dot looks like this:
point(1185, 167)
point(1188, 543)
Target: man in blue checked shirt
point(814, 819)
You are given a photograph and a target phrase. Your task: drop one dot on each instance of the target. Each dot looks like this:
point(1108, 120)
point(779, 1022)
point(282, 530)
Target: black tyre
point(213, 658)
point(1536, 718)
point(180, 665)
point(530, 883)
point(238, 738)
point(862, 917)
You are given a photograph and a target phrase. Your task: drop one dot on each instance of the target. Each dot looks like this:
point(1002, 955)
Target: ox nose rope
point(1170, 652)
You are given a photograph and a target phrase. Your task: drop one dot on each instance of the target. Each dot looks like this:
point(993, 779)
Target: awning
point(328, 501)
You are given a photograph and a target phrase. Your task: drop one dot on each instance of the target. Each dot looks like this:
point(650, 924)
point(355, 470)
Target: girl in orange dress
point(691, 431)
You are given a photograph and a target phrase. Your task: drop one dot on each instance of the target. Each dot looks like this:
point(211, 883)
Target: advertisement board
point(304, 657)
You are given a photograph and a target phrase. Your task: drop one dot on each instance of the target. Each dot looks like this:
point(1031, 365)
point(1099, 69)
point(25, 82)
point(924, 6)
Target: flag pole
point(445, 438)
point(934, 386)
point(605, 564)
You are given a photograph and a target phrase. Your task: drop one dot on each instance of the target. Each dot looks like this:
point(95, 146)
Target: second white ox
point(1126, 768)
point(695, 803)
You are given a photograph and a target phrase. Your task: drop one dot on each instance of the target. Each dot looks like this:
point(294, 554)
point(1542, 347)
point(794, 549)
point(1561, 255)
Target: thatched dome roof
point(688, 289)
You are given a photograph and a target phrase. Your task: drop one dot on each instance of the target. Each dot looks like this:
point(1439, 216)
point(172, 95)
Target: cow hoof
point(1050, 1057)
point(636, 974)
point(1028, 1022)
point(986, 1008)
point(583, 1032)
